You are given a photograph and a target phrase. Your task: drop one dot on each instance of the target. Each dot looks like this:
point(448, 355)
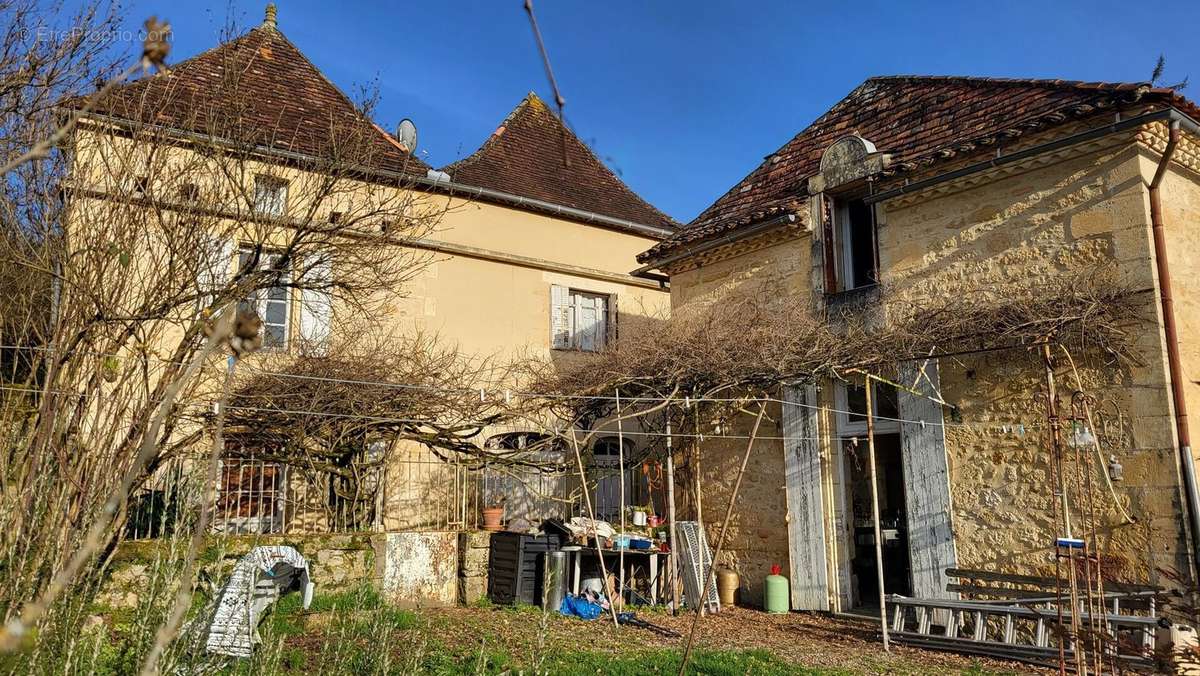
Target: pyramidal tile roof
point(260, 88)
point(920, 120)
point(533, 154)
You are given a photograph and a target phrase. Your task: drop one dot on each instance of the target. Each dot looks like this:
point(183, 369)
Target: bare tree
point(134, 240)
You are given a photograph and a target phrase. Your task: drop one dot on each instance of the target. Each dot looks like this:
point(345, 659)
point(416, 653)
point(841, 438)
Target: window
point(270, 195)
point(854, 250)
point(608, 474)
point(580, 320)
point(251, 496)
point(189, 192)
point(851, 404)
point(271, 303)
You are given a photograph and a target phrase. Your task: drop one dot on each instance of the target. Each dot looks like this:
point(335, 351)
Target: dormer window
point(855, 251)
point(851, 256)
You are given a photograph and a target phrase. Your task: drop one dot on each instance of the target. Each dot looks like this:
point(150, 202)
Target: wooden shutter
point(830, 254)
point(805, 503)
point(600, 326)
point(316, 304)
point(587, 321)
point(611, 323)
point(560, 317)
point(213, 268)
point(926, 484)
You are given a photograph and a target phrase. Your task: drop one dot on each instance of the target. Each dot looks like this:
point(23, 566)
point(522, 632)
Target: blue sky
point(683, 99)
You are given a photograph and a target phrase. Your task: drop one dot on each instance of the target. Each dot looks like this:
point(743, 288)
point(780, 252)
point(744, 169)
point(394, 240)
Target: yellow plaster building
point(523, 248)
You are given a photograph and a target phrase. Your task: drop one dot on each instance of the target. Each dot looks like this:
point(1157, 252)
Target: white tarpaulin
point(258, 579)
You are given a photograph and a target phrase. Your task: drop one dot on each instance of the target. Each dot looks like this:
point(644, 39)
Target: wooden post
point(673, 556)
point(621, 504)
point(587, 499)
point(696, 482)
point(875, 512)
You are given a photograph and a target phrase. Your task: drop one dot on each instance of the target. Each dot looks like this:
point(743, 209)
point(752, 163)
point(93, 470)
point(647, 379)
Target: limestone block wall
point(336, 562)
point(1080, 213)
point(1180, 197)
point(1076, 215)
point(757, 536)
point(409, 569)
point(473, 551)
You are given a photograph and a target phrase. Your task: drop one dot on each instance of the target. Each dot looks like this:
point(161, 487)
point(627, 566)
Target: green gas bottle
point(776, 593)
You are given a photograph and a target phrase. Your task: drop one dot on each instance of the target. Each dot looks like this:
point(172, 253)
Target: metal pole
point(875, 513)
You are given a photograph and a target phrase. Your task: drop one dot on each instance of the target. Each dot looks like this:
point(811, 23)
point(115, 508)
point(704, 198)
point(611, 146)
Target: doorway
point(859, 533)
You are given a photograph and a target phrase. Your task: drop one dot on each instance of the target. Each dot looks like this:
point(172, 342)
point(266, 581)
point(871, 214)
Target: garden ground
point(357, 633)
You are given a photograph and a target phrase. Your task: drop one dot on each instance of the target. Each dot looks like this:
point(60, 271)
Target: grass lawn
point(358, 633)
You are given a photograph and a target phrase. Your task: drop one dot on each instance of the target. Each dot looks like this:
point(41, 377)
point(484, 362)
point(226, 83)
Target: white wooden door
point(926, 484)
point(805, 501)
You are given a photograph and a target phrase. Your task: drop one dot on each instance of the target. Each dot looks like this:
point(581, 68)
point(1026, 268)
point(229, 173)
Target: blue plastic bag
point(577, 606)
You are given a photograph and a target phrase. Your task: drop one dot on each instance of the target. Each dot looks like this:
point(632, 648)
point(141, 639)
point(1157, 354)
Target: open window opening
point(852, 430)
point(581, 320)
point(853, 257)
point(272, 304)
point(608, 474)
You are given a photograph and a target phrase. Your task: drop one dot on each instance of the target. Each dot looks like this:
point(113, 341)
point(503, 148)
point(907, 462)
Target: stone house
point(531, 251)
point(921, 188)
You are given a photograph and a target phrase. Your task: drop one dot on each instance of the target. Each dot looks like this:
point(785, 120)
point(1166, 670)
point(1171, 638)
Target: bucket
point(554, 580)
point(727, 584)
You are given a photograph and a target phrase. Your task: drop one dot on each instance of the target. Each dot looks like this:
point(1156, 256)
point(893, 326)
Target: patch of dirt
point(805, 639)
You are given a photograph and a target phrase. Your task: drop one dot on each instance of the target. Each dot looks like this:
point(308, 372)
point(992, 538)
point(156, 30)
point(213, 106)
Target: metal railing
point(413, 491)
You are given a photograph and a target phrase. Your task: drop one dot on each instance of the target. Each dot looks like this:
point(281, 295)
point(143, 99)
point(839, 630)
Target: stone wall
point(474, 548)
point(1076, 214)
point(409, 569)
point(336, 562)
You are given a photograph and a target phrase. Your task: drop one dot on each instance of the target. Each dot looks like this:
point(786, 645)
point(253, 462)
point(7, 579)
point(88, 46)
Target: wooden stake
point(875, 513)
point(621, 504)
point(673, 557)
point(587, 499)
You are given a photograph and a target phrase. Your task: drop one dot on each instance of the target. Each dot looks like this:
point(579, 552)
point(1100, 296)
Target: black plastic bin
point(515, 567)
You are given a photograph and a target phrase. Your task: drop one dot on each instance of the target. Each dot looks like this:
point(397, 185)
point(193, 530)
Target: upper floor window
point(270, 195)
point(854, 252)
point(271, 303)
point(580, 320)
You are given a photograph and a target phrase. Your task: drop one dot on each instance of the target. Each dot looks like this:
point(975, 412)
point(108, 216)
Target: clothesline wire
point(389, 419)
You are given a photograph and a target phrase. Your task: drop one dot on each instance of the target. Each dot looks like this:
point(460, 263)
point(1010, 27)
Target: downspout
point(1171, 334)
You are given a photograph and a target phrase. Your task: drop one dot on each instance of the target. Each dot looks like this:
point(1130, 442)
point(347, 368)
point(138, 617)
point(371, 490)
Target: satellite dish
point(406, 133)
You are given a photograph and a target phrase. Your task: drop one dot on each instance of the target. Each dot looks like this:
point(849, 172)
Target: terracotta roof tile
point(262, 88)
point(525, 156)
point(920, 120)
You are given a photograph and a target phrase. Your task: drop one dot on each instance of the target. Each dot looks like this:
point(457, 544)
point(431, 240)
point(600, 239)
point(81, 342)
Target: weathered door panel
point(805, 500)
point(926, 483)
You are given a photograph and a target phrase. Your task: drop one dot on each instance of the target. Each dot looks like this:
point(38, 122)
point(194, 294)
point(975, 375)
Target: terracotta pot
point(492, 518)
